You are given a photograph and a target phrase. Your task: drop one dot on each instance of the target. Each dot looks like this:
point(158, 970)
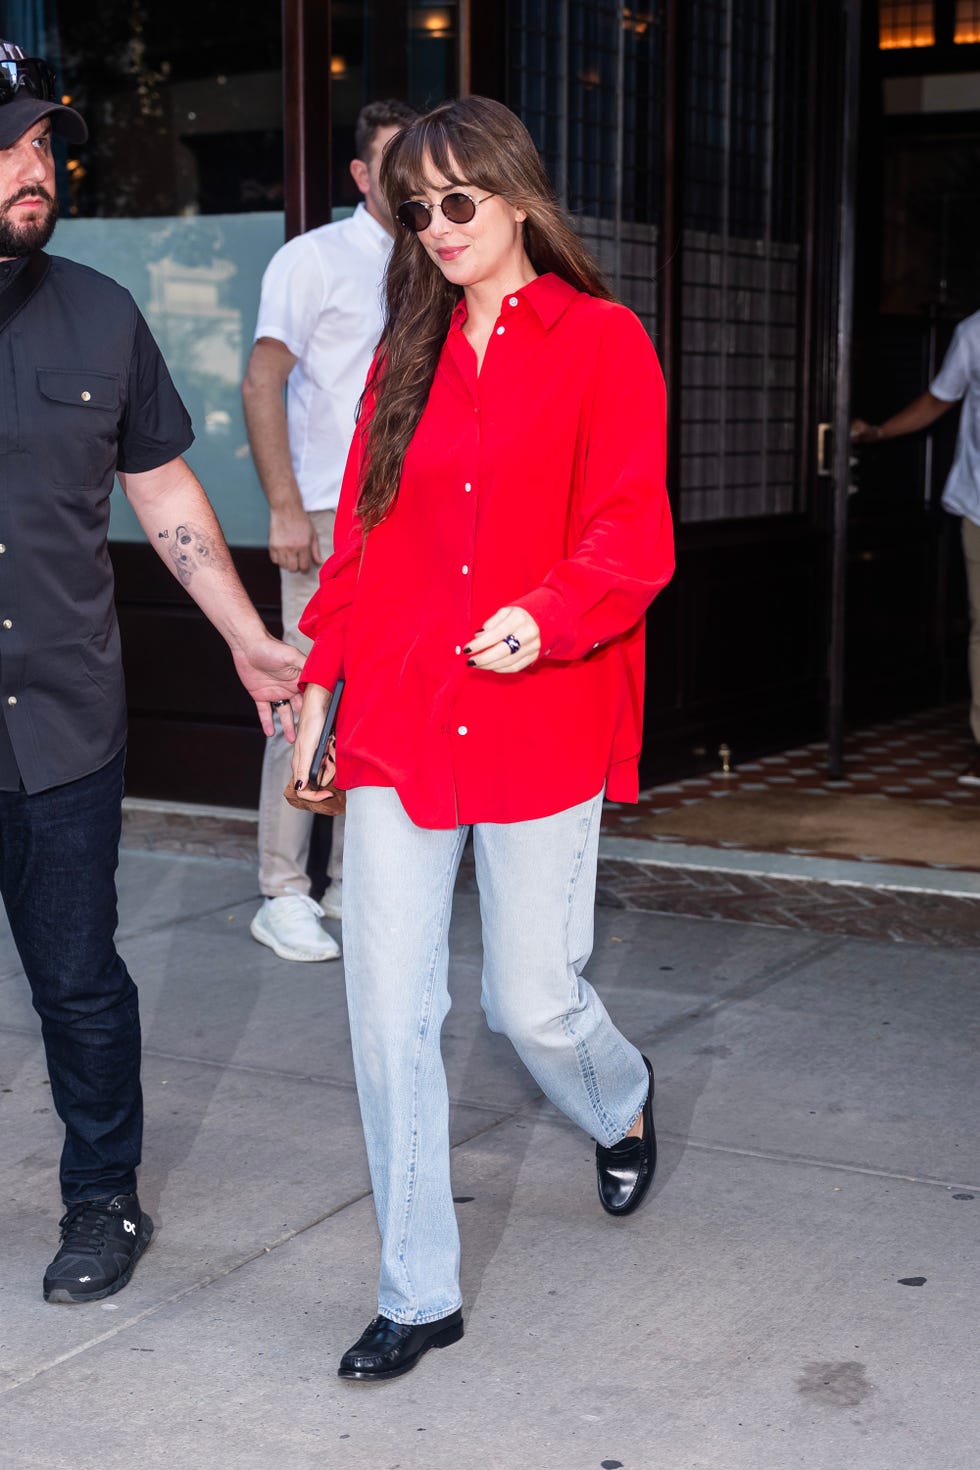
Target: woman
point(502, 528)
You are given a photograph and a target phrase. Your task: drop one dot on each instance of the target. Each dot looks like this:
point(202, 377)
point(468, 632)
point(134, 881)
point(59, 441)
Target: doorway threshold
point(850, 872)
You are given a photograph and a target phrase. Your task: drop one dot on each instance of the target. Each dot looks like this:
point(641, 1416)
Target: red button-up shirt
point(538, 483)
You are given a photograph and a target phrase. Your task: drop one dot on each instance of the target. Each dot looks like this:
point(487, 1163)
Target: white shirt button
point(512, 301)
point(462, 730)
point(500, 331)
point(86, 396)
point(465, 570)
point(2, 548)
point(7, 623)
point(12, 699)
point(467, 486)
point(458, 648)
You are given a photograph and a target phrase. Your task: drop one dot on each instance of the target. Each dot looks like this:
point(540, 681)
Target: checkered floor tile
point(917, 758)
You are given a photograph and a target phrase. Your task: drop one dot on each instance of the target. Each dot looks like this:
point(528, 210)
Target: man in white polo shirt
point(958, 378)
point(319, 321)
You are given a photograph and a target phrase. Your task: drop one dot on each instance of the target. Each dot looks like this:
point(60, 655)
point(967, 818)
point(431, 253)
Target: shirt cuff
point(324, 665)
point(548, 610)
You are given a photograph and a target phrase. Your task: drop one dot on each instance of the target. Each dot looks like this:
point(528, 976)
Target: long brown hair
point(475, 141)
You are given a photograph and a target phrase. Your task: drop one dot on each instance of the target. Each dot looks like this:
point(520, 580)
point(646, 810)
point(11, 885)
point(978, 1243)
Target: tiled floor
point(917, 758)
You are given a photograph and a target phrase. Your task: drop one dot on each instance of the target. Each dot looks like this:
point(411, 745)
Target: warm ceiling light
point(637, 21)
point(906, 25)
point(908, 40)
point(338, 66)
point(436, 22)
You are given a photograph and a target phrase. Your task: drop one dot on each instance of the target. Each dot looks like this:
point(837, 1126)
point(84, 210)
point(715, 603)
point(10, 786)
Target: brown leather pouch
point(334, 806)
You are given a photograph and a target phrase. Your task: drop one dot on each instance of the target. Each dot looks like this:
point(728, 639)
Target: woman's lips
point(451, 252)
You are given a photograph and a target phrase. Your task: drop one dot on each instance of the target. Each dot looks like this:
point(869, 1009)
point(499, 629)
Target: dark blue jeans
point(59, 851)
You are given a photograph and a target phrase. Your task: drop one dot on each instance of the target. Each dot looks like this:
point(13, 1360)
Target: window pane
point(179, 196)
point(386, 48)
point(906, 23)
point(966, 30)
point(587, 78)
point(741, 259)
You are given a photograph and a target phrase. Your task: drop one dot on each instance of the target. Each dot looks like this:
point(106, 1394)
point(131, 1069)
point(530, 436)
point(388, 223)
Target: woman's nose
point(438, 224)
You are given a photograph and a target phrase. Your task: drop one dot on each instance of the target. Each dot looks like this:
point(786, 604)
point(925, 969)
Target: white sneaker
point(332, 899)
point(289, 926)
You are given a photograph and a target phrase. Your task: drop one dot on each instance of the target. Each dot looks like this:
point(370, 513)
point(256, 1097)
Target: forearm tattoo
point(192, 548)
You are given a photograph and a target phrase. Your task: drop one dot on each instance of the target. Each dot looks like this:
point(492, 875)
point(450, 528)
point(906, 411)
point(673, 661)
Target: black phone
point(325, 734)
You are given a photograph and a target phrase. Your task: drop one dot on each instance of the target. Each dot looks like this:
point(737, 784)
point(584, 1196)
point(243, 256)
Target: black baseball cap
point(27, 94)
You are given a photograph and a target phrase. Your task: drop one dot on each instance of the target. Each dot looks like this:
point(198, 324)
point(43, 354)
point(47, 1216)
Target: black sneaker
point(100, 1245)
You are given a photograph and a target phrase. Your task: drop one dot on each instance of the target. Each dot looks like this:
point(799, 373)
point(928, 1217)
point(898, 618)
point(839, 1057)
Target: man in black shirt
point(84, 395)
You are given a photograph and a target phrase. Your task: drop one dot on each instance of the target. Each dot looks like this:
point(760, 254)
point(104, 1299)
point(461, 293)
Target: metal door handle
point(824, 442)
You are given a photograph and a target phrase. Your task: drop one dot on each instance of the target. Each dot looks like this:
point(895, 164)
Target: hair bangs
point(432, 146)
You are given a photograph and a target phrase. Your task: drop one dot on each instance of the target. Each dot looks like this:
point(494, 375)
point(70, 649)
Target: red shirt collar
point(549, 296)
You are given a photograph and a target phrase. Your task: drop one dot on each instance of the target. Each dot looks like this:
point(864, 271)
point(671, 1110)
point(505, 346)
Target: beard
point(17, 240)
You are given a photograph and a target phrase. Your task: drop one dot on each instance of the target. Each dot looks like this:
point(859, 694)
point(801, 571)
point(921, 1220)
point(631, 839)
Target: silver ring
point(513, 643)
point(277, 703)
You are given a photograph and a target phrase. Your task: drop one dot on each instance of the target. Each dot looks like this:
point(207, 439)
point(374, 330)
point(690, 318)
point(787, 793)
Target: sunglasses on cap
point(457, 208)
point(28, 75)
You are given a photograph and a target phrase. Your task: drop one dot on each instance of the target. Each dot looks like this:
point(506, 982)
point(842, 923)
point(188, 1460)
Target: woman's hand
point(488, 650)
point(316, 700)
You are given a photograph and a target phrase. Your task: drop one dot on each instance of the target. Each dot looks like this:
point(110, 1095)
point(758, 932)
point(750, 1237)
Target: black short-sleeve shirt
point(84, 392)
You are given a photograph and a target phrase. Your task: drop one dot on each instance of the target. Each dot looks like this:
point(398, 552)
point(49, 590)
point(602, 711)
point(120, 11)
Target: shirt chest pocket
point(75, 426)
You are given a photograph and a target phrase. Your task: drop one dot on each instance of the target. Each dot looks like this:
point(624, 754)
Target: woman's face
point(488, 247)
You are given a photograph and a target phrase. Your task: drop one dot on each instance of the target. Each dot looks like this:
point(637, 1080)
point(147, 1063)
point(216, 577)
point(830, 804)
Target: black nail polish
point(467, 650)
point(471, 663)
point(298, 786)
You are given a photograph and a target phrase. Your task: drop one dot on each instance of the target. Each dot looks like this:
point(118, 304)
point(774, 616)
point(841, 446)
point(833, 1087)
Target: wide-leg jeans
point(537, 894)
point(59, 850)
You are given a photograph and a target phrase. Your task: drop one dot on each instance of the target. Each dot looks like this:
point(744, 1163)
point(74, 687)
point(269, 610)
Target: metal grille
point(741, 253)
point(906, 23)
point(586, 76)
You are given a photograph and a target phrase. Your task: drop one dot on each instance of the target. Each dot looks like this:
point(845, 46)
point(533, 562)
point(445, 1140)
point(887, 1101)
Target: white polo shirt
point(322, 298)
point(959, 377)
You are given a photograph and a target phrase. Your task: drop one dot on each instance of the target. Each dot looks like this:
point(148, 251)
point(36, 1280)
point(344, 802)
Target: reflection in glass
point(179, 195)
point(903, 24)
point(966, 31)
point(197, 283)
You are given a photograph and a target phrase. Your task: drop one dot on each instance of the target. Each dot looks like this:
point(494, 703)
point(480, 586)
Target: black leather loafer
point(385, 1348)
point(625, 1171)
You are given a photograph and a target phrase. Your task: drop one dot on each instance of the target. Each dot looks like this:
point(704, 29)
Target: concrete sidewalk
point(818, 1110)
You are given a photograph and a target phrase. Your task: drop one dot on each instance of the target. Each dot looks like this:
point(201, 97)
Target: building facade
point(701, 148)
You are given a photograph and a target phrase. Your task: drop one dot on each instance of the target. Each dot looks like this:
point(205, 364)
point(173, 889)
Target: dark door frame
point(847, 207)
point(306, 113)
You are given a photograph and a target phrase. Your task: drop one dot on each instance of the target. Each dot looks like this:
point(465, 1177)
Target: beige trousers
point(971, 555)
point(284, 833)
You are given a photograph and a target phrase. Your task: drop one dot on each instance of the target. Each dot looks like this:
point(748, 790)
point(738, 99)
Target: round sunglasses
point(457, 208)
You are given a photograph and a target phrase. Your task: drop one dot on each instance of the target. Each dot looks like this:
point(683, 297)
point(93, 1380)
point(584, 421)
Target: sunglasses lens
point(459, 209)
point(413, 215)
point(30, 77)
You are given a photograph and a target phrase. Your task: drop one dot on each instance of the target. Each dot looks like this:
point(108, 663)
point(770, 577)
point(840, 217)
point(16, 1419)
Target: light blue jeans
point(537, 894)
